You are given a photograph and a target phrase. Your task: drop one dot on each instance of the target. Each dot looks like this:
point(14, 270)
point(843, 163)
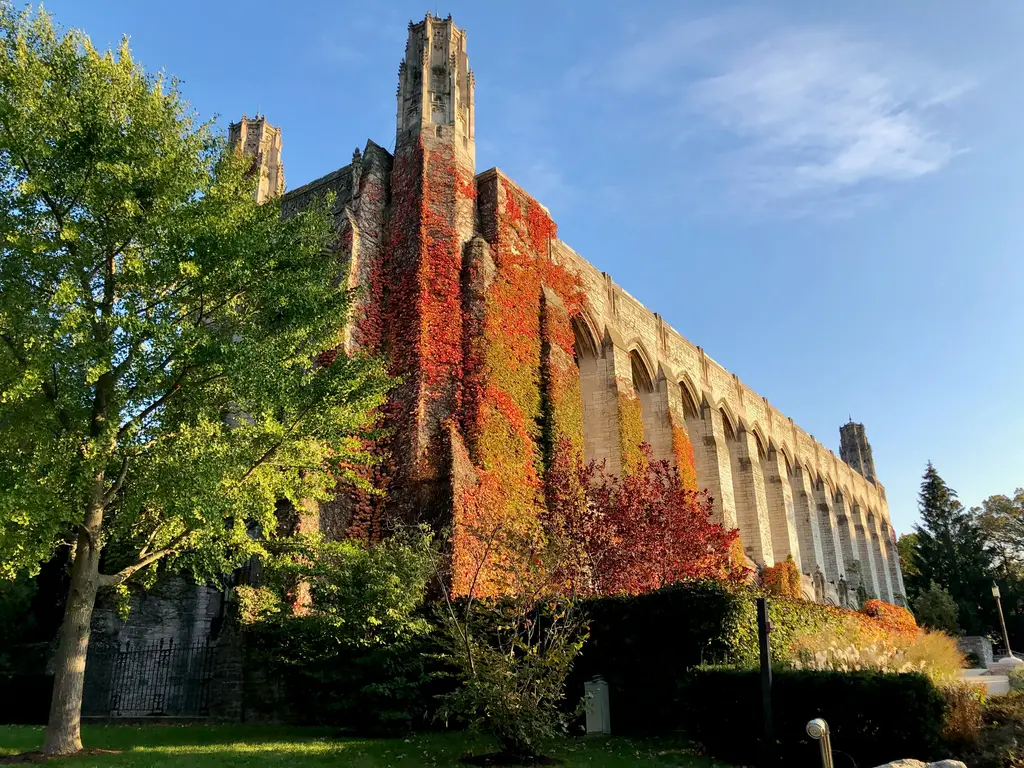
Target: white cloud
point(807, 113)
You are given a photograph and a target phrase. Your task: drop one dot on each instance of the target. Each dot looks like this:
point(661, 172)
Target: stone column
point(867, 554)
point(657, 407)
point(881, 560)
point(847, 540)
point(751, 499)
point(600, 392)
point(893, 561)
point(781, 508)
point(831, 539)
point(808, 532)
point(711, 458)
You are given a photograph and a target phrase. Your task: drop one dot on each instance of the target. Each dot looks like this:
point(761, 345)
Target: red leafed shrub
point(635, 533)
point(893, 617)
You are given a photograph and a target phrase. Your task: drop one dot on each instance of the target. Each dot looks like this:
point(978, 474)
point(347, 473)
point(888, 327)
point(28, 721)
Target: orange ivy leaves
point(894, 618)
point(511, 390)
point(682, 450)
point(783, 579)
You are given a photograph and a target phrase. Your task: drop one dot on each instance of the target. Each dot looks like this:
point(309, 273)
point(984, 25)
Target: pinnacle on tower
point(435, 87)
point(257, 138)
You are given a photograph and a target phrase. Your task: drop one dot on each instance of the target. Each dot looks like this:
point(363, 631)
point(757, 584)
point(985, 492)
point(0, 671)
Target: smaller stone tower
point(855, 449)
point(260, 140)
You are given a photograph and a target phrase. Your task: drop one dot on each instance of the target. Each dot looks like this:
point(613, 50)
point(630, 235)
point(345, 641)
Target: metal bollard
point(818, 729)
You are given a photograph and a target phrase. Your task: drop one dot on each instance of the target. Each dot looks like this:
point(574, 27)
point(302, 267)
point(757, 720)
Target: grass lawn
point(267, 745)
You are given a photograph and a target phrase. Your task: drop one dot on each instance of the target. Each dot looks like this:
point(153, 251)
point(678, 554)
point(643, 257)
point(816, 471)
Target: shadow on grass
point(227, 746)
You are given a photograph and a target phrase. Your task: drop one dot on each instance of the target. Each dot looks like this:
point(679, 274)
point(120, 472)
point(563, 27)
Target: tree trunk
point(63, 731)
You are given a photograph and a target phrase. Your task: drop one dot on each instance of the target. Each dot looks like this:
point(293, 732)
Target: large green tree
point(951, 552)
point(1002, 522)
point(159, 331)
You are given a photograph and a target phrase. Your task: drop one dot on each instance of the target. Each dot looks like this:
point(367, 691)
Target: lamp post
point(1002, 621)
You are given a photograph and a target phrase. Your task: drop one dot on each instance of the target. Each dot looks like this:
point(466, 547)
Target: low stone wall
point(979, 647)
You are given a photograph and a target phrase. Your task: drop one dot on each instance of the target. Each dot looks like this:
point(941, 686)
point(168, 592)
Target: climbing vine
point(631, 429)
point(682, 452)
point(518, 393)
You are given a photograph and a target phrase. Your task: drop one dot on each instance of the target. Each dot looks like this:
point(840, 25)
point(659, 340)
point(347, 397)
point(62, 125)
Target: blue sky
point(828, 197)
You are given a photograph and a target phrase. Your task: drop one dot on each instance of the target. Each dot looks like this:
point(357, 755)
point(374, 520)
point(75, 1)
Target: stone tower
point(435, 90)
point(433, 209)
point(855, 449)
point(260, 140)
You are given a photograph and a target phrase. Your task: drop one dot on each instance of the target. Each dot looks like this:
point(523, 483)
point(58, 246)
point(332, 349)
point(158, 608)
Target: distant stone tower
point(260, 140)
point(433, 209)
point(855, 449)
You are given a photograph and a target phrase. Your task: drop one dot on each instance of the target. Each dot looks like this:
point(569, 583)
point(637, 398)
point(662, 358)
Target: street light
point(1002, 621)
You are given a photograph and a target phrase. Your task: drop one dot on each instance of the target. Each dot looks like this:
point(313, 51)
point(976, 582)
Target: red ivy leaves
point(637, 532)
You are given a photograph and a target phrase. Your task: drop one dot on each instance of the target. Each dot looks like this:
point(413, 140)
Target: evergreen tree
point(935, 608)
point(951, 552)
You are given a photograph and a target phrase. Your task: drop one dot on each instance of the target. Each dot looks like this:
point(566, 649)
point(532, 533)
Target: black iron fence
point(161, 680)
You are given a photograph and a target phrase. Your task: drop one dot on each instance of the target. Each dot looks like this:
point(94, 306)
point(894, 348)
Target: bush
point(873, 717)
point(1016, 675)
point(360, 651)
point(513, 664)
point(932, 653)
point(642, 645)
point(1001, 741)
point(962, 721)
point(893, 617)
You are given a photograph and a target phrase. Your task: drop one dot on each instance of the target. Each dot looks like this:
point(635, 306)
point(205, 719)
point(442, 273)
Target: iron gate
point(161, 680)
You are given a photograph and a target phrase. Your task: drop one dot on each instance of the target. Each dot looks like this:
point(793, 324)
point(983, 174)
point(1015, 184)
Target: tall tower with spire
point(855, 449)
point(432, 217)
point(258, 139)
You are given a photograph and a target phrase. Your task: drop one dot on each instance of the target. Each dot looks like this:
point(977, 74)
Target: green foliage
point(357, 653)
point(1016, 675)
point(158, 327)
point(935, 608)
point(513, 654)
point(874, 718)
point(951, 551)
point(360, 595)
point(265, 745)
point(906, 545)
point(513, 664)
point(1000, 744)
point(961, 720)
point(642, 645)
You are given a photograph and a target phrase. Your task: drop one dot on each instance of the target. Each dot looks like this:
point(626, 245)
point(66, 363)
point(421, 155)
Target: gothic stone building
point(510, 343)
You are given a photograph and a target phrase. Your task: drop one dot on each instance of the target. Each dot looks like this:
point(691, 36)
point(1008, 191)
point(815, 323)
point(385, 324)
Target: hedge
point(874, 718)
point(643, 646)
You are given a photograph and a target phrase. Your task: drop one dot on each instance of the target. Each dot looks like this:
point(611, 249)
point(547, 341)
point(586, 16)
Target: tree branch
point(127, 572)
point(118, 483)
point(154, 405)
